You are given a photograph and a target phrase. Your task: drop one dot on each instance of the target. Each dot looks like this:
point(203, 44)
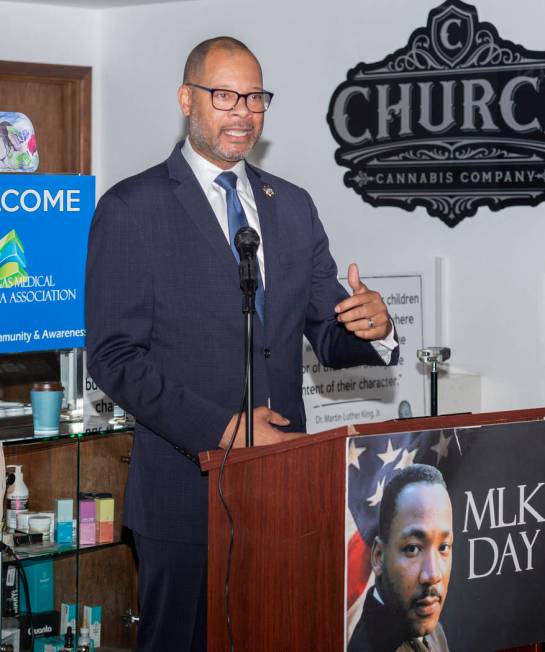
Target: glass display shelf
point(83, 460)
point(51, 550)
point(19, 430)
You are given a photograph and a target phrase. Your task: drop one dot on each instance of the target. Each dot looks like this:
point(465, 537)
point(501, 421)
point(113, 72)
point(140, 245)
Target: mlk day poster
point(337, 397)
point(496, 482)
point(44, 226)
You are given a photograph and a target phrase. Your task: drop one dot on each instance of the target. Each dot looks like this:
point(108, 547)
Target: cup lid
point(47, 386)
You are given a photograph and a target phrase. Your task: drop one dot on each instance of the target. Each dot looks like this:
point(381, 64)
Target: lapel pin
point(268, 190)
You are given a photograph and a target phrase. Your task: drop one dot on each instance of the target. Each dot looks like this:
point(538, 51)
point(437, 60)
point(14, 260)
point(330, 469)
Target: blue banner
point(44, 226)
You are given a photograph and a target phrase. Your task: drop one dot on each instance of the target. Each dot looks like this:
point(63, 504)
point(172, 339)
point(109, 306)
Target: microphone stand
point(248, 308)
point(246, 243)
point(248, 284)
point(432, 356)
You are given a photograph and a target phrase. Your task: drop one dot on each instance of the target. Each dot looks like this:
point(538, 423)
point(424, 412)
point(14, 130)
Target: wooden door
point(57, 99)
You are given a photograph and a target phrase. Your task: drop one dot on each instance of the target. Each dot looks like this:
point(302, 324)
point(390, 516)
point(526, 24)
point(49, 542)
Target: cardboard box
point(92, 617)
point(104, 509)
point(87, 520)
point(49, 644)
point(10, 586)
point(46, 625)
point(11, 636)
point(68, 617)
point(64, 511)
point(104, 520)
point(53, 644)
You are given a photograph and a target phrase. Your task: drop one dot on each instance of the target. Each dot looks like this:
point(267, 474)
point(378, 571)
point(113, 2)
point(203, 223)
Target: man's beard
point(203, 144)
point(406, 628)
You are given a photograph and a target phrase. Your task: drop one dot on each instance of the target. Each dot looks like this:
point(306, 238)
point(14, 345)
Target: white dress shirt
point(206, 173)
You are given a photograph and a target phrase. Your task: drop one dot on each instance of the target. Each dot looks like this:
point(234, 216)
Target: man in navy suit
point(166, 332)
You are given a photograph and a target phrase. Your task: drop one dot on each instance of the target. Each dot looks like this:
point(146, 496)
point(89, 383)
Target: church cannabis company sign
point(44, 226)
point(453, 121)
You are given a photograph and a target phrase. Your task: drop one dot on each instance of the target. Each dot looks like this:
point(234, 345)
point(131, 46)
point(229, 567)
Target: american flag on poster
point(371, 462)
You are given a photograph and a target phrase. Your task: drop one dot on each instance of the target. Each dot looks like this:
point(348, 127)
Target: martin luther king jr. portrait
point(412, 559)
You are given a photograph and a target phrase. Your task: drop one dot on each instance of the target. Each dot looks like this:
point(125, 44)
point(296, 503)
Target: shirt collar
point(206, 172)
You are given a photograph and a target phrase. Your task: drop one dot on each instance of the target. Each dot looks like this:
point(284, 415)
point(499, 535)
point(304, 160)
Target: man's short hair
point(197, 56)
point(412, 474)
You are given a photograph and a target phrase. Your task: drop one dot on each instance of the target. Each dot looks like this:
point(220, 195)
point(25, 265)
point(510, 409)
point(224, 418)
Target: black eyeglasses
point(225, 100)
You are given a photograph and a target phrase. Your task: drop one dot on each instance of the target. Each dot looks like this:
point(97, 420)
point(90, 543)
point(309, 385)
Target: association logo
point(12, 260)
point(453, 121)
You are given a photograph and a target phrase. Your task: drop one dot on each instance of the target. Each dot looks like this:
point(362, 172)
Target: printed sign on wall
point(364, 394)
point(44, 225)
point(453, 121)
point(462, 563)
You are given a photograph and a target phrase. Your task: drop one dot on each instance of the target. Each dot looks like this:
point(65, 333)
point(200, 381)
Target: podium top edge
point(210, 460)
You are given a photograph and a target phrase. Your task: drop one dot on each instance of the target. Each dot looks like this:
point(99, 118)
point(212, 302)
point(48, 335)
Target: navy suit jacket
point(165, 327)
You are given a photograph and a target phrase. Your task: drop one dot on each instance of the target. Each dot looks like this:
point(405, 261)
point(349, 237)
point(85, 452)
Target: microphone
point(246, 243)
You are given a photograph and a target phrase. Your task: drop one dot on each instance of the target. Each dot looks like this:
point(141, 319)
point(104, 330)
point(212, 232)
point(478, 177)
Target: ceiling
point(96, 4)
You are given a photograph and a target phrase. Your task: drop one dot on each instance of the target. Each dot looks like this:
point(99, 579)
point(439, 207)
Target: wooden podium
point(288, 505)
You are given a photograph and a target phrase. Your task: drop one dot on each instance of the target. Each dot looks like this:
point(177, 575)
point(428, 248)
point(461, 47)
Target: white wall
point(43, 34)
point(496, 269)
point(496, 280)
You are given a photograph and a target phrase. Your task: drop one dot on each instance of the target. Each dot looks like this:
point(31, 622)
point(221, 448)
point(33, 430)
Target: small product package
point(49, 644)
point(92, 615)
point(104, 520)
point(68, 617)
point(45, 625)
point(87, 520)
point(64, 511)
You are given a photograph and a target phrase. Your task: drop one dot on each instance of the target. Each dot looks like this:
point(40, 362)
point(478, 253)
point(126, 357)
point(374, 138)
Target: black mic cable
point(221, 494)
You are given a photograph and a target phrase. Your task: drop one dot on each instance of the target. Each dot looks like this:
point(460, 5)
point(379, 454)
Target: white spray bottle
point(17, 497)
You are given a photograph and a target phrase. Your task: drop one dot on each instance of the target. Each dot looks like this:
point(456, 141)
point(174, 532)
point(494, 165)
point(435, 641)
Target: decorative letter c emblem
point(445, 36)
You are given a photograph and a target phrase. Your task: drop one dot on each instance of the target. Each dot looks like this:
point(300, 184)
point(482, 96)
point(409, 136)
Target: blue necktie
point(236, 219)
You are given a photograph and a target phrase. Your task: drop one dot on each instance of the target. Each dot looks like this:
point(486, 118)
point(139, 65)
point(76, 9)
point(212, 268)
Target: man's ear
point(377, 556)
point(185, 99)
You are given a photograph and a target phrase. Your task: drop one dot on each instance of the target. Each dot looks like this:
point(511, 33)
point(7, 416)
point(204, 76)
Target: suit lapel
point(266, 204)
point(195, 204)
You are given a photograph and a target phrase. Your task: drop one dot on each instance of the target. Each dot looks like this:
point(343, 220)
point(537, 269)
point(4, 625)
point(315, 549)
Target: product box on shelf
point(54, 644)
point(64, 511)
point(11, 636)
point(104, 520)
point(49, 644)
point(68, 617)
point(41, 585)
point(92, 616)
point(45, 625)
point(10, 586)
point(87, 515)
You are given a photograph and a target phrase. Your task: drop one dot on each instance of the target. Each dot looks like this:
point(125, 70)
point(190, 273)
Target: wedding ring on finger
point(370, 323)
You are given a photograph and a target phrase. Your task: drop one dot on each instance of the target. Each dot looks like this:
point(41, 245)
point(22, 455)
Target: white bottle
point(17, 497)
point(84, 640)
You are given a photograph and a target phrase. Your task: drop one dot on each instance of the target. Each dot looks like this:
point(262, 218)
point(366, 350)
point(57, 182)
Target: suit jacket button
point(267, 353)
